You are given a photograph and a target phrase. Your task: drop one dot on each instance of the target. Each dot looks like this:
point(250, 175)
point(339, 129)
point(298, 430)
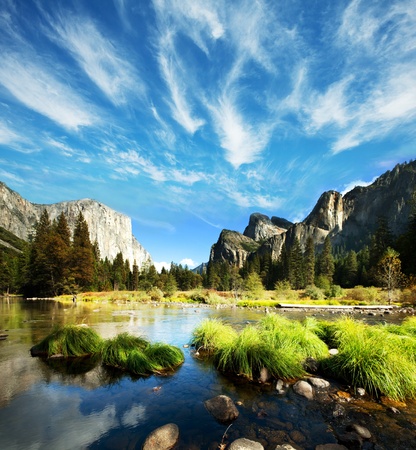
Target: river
point(50, 404)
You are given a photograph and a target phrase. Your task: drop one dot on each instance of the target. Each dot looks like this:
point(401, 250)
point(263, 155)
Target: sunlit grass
point(137, 355)
point(70, 340)
point(372, 358)
point(212, 334)
point(251, 351)
point(281, 332)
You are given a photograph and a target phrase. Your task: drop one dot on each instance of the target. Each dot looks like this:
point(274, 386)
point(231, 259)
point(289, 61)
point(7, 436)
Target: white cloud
point(242, 141)
point(188, 262)
point(99, 57)
point(160, 265)
point(34, 85)
point(7, 136)
point(350, 186)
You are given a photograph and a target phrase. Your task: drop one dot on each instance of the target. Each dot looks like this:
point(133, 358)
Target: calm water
point(57, 405)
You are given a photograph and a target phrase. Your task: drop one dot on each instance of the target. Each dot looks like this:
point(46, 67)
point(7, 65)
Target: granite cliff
point(349, 220)
point(111, 229)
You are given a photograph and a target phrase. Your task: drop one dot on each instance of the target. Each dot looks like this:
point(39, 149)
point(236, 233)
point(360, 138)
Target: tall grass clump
point(368, 358)
point(250, 352)
point(281, 332)
point(212, 334)
point(115, 352)
point(69, 340)
point(164, 356)
point(137, 355)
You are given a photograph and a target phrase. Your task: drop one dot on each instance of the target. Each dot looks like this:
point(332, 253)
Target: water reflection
point(72, 404)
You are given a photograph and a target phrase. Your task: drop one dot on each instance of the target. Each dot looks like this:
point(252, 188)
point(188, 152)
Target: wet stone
point(360, 430)
point(303, 388)
point(245, 444)
point(284, 447)
point(163, 438)
point(331, 447)
point(319, 383)
point(222, 408)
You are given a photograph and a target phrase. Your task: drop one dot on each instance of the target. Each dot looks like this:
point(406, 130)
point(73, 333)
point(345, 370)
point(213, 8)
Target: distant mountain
point(349, 220)
point(111, 229)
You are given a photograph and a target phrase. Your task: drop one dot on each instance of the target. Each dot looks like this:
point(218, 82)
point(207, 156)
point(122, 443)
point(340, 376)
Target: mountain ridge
point(111, 229)
point(347, 219)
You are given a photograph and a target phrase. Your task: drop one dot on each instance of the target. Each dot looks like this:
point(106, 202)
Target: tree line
point(56, 262)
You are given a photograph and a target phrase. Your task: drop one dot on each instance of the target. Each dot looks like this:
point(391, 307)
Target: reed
point(69, 341)
point(213, 334)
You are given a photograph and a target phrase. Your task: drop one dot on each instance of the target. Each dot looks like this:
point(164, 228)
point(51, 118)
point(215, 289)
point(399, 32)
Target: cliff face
point(112, 230)
point(348, 220)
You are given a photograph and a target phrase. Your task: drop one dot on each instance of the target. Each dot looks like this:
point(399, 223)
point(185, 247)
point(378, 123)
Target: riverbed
point(51, 404)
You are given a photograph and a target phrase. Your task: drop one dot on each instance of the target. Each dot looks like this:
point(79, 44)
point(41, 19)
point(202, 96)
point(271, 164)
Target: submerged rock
point(331, 447)
point(222, 408)
point(245, 444)
point(360, 430)
point(163, 438)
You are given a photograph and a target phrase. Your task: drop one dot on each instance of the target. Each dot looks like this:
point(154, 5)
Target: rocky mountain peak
point(111, 229)
point(328, 212)
point(260, 227)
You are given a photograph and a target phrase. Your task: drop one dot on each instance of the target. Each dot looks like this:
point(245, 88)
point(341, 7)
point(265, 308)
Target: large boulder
point(222, 408)
point(163, 438)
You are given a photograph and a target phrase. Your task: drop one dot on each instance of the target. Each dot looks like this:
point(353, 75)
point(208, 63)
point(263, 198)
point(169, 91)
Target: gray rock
point(303, 388)
point(319, 383)
point(163, 438)
point(361, 392)
point(222, 408)
point(245, 444)
point(360, 430)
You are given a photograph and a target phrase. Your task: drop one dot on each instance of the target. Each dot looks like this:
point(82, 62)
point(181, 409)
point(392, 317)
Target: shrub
point(283, 291)
point(334, 291)
point(69, 340)
point(364, 295)
point(314, 293)
point(155, 294)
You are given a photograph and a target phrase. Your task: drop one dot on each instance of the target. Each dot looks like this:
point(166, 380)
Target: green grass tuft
point(212, 334)
point(372, 358)
point(70, 340)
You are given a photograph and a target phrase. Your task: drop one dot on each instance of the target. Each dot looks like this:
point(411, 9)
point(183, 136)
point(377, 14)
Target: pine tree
point(296, 274)
point(326, 264)
point(82, 257)
point(309, 260)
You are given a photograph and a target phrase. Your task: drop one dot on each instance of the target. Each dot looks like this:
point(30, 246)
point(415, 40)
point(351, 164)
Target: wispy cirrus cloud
point(131, 163)
point(35, 85)
point(98, 56)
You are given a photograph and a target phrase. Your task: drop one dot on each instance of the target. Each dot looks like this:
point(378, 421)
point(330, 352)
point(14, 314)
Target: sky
point(190, 115)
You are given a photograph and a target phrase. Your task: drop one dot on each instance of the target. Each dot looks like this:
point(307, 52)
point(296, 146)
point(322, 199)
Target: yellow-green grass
point(212, 334)
point(372, 358)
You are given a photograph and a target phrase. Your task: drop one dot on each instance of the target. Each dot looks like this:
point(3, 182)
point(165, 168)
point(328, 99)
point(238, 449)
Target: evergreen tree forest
point(56, 261)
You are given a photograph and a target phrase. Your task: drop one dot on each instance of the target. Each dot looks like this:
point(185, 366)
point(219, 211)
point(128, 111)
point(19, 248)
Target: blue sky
point(190, 115)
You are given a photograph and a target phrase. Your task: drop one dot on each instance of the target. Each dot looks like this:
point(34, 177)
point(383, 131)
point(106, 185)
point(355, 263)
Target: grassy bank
point(381, 359)
point(354, 297)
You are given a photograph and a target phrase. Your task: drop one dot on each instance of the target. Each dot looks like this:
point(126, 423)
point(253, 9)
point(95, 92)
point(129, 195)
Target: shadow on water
point(78, 403)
